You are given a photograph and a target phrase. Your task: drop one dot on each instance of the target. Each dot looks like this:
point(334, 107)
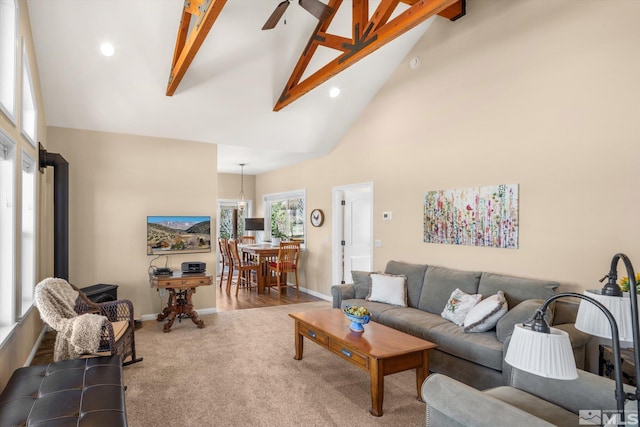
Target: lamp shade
point(547, 355)
point(254, 224)
point(592, 320)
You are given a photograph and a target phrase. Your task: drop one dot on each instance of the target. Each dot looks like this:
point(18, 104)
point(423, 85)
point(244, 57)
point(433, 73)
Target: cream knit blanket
point(77, 335)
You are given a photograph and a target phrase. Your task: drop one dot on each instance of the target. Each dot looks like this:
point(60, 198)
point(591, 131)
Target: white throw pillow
point(459, 305)
point(388, 288)
point(486, 313)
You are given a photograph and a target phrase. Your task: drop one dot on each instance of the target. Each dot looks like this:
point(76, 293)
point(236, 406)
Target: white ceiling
point(228, 93)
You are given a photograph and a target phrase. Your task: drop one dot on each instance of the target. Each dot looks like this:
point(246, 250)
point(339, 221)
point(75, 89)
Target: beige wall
point(540, 94)
point(229, 187)
point(115, 182)
point(15, 350)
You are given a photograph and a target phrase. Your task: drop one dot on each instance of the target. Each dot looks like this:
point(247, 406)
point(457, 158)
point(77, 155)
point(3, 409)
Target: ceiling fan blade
point(276, 15)
point(318, 9)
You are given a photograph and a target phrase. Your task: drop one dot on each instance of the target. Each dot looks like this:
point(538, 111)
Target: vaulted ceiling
point(228, 93)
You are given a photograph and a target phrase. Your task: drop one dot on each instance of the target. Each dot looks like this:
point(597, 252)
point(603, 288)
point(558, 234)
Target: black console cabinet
point(101, 292)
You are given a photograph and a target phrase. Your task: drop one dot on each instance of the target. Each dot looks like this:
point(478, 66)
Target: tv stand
point(181, 288)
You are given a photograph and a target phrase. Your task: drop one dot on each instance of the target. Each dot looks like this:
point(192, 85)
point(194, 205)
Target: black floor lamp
point(545, 351)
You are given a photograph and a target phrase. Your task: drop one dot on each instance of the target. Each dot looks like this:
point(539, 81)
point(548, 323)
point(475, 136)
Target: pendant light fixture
point(242, 203)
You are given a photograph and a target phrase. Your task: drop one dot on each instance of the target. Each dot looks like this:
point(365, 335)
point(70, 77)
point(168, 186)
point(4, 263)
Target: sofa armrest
point(450, 402)
point(342, 292)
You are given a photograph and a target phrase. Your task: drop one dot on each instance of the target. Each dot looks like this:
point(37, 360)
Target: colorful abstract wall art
point(484, 216)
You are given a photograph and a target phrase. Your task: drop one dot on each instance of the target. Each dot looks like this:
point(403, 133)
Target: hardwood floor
point(224, 302)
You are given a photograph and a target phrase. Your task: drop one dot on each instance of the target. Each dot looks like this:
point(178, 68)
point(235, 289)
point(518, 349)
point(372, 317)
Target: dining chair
point(287, 262)
point(247, 240)
point(223, 245)
point(243, 267)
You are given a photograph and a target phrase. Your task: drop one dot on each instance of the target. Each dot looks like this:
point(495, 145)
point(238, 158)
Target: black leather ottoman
point(79, 392)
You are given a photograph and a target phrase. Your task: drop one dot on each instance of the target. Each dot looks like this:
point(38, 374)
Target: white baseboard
point(317, 294)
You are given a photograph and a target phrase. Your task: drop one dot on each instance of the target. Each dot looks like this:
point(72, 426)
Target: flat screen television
point(178, 234)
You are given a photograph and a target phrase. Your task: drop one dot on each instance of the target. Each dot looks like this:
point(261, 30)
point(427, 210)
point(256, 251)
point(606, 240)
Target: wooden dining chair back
point(223, 245)
point(243, 267)
point(287, 262)
point(247, 240)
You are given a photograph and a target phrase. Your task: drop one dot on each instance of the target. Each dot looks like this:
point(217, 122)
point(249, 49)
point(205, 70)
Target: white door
point(353, 230)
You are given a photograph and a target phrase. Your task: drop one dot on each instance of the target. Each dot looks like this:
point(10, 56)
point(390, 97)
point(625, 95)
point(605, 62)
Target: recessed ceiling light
point(107, 49)
point(334, 91)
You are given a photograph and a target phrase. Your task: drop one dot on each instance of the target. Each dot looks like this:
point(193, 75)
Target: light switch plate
point(386, 216)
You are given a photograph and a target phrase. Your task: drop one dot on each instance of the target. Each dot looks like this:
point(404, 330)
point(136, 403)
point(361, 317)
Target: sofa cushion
point(458, 305)
point(531, 404)
point(516, 289)
point(361, 283)
point(388, 288)
point(411, 321)
point(439, 282)
point(415, 278)
point(482, 348)
point(484, 315)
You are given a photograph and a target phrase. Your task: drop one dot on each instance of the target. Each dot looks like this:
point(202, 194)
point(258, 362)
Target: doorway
point(352, 230)
point(226, 208)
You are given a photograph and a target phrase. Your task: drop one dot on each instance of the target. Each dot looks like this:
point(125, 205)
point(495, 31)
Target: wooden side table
point(606, 367)
point(181, 288)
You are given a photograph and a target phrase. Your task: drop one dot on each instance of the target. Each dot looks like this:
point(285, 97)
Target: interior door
point(354, 232)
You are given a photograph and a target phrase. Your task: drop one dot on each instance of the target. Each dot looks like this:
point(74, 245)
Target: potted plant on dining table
point(277, 236)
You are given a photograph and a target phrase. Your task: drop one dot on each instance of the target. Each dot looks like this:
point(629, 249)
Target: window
point(28, 236)
point(8, 55)
point(7, 231)
point(225, 218)
point(286, 212)
point(29, 111)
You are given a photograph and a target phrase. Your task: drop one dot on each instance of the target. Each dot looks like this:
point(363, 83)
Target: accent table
point(379, 350)
point(181, 287)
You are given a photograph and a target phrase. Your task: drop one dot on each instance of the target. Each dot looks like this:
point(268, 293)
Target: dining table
point(263, 253)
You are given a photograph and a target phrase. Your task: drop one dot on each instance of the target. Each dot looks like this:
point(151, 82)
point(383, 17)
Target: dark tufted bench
point(79, 392)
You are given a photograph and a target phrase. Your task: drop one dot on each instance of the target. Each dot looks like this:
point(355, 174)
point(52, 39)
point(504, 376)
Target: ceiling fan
point(314, 7)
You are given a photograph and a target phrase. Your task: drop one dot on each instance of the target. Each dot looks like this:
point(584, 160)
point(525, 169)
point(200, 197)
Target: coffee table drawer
point(349, 354)
point(314, 335)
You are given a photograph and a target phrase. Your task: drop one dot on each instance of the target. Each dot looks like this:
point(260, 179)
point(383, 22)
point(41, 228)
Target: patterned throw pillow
point(459, 305)
point(486, 313)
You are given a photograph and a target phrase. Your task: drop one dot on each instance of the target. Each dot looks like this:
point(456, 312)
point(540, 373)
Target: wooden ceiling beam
point(206, 12)
point(365, 43)
point(360, 18)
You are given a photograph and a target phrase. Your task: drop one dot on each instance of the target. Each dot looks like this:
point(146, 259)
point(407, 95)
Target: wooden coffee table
point(379, 350)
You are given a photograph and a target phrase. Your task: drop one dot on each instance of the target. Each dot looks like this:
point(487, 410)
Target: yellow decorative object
point(624, 283)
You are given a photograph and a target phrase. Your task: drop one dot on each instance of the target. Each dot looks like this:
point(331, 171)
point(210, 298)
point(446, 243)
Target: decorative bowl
point(357, 322)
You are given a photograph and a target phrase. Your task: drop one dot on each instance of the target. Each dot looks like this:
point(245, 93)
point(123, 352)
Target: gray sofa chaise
point(476, 359)
point(530, 400)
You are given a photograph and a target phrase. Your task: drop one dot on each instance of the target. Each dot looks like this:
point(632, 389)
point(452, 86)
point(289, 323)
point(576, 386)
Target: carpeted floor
point(239, 371)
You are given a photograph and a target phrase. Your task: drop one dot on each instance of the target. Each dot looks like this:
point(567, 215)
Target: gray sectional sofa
point(476, 359)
